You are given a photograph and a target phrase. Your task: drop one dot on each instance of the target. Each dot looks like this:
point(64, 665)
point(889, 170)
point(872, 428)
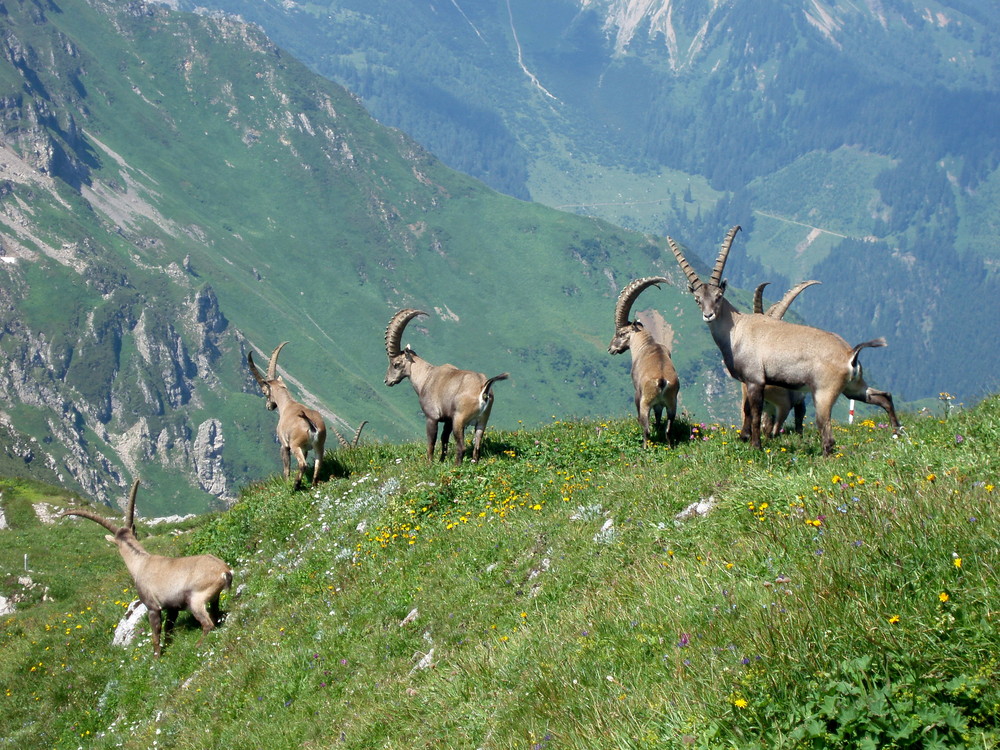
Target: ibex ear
point(691, 288)
point(722, 286)
point(109, 538)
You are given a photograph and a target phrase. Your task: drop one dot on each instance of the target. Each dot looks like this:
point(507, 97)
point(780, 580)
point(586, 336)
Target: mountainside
point(854, 142)
point(176, 191)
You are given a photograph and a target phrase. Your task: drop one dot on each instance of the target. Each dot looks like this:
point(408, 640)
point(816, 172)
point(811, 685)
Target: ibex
point(166, 584)
point(653, 373)
point(760, 350)
point(300, 429)
point(454, 398)
point(778, 401)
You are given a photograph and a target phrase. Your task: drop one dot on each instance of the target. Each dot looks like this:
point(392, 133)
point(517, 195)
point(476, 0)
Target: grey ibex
point(454, 398)
point(300, 429)
point(760, 350)
point(778, 401)
point(166, 584)
point(653, 373)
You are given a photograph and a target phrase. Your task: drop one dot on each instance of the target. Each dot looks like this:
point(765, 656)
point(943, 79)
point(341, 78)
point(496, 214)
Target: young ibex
point(455, 398)
point(778, 401)
point(760, 350)
point(300, 429)
point(166, 584)
point(653, 373)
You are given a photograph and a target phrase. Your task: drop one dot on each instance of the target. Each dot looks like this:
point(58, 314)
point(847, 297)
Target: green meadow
point(549, 597)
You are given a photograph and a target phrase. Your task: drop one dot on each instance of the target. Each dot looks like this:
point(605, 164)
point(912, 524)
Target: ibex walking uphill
point(166, 584)
point(448, 396)
point(653, 374)
point(300, 429)
point(761, 350)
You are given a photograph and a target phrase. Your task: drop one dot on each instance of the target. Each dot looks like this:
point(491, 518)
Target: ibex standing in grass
point(166, 584)
point(448, 396)
point(778, 401)
point(760, 350)
point(653, 373)
point(300, 429)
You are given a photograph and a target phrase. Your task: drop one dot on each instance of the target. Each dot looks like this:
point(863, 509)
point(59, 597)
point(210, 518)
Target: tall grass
point(549, 597)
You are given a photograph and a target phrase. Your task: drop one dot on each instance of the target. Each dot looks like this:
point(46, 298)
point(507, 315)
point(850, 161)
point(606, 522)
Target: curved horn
point(692, 277)
point(258, 376)
point(84, 513)
point(629, 295)
point(130, 508)
point(758, 297)
point(394, 331)
point(720, 262)
point(778, 309)
point(272, 365)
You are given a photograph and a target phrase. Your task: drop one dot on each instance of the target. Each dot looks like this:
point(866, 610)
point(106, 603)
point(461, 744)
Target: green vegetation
point(549, 597)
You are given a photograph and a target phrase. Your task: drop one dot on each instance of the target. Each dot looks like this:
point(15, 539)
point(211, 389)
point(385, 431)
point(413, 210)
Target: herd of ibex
point(776, 362)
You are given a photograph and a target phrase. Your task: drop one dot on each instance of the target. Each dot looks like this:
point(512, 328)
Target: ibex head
point(624, 327)
point(708, 295)
point(272, 379)
point(399, 360)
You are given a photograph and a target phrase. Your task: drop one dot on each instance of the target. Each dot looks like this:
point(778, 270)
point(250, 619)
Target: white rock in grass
point(410, 617)
point(125, 630)
point(699, 508)
point(425, 663)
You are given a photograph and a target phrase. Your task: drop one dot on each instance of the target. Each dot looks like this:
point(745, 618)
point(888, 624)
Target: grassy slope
point(556, 599)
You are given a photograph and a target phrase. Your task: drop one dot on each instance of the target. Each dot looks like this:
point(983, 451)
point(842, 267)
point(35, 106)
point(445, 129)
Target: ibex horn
point(693, 281)
point(630, 293)
point(84, 513)
point(394, 331)
point(778, 309)
point(130, 508)
point(758, 298)
point(272, 365)
point(253, 369)
point(720, 262)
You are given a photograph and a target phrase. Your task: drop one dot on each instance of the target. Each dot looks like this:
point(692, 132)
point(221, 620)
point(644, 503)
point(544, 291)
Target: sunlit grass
point(549, 597)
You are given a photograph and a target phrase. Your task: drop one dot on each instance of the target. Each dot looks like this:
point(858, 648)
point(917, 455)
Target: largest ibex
point(166, 584)
point(760, 350)
point(653, 374)
point(299, 427)
point(448, 396)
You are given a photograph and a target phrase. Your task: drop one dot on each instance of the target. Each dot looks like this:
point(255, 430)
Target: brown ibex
point(778, 401)
point(166, 584)
point(653, 373)
point(448, 396)
point(300, 429)
point(760, 350)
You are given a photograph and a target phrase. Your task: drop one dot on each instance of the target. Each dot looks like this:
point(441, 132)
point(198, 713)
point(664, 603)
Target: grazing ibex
point(653, 373)
point(300, 429)
point(166, 584)
point(455, 398)
point(778, 401)
point(760, 350)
